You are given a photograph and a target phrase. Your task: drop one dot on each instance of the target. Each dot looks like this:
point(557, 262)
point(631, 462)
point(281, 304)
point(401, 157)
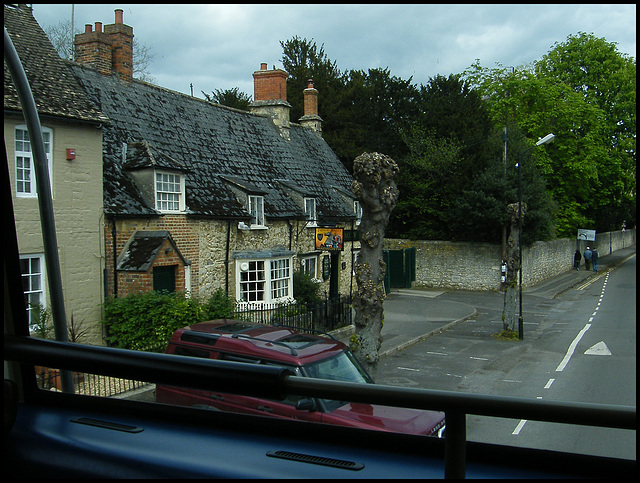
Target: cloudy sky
point(220, 46)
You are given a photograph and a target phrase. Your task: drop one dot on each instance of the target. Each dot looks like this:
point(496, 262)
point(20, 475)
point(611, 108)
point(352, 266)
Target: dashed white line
point(408, 369)
point(519, 427)
point(548, 384)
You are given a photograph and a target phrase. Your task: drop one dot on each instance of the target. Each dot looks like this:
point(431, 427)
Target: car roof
point(283, 344)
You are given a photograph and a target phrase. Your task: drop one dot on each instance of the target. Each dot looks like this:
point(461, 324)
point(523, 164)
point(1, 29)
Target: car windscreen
point(342, 367)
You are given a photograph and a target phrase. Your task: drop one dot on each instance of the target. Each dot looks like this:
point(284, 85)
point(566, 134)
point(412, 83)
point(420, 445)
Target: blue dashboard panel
point(56, 442)
point(81, 438)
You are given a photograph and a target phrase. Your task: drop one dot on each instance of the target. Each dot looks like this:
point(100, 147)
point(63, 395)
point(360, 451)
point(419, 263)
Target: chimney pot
point(88, 28)
point(98, 26)
point(119, 15)
point(263, 66)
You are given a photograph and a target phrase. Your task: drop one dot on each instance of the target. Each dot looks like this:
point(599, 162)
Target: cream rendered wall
point(77, 203)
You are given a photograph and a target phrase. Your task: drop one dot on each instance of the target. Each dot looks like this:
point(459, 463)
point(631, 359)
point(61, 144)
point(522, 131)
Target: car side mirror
point(306, 404)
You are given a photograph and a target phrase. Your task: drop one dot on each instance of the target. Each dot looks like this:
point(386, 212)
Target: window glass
point(280, 276)
point(308, 266)
point(32, 268)
point(357, 208)
point(252, 282)
point(168, 191)
point(310, 210)
point(25, 168)
point(256, 208)
point(268, 280)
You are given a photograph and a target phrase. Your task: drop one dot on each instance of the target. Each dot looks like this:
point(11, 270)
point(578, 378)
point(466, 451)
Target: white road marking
point(548, 384)
point(572, 348)
point(408, 369)
point(599, 349)
point(519, 427)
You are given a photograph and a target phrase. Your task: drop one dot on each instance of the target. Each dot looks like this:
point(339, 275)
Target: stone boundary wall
point(476, 266)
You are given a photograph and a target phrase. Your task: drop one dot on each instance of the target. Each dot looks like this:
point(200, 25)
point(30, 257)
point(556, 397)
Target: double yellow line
point(593, 279)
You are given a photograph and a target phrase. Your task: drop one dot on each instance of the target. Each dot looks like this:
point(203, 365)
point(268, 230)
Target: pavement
point(413, 315)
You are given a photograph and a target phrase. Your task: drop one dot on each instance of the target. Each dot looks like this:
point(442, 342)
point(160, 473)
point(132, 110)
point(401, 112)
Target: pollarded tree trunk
point(510, 308)
point(377, 192)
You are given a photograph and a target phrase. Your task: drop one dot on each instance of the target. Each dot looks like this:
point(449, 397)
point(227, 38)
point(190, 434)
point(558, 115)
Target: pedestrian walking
point(587, 259)
point(594, 259)
point(576, 259)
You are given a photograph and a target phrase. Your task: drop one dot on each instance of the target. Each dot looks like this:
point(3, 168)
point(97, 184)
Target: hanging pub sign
point(329, 239)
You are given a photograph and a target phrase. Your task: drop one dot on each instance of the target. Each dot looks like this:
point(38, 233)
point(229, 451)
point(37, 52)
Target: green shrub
point(305, 289)
point(219, 306)
point(146, 321)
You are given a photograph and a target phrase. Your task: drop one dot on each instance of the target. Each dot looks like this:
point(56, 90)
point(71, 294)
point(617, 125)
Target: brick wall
point(107, 51)
point(269, 84)
point(184, 233)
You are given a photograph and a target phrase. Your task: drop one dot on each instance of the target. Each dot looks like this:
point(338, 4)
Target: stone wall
point(476, 266)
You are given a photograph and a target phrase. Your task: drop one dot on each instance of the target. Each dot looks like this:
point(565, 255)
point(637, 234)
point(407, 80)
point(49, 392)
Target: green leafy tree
point(424, 179)
point(450, 144)
point(377, 106)
point(606, 79)
point(590, 168)
point(361, 111)
point(230, 98)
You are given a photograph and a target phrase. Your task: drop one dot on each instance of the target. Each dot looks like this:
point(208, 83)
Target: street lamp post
point(545, 140)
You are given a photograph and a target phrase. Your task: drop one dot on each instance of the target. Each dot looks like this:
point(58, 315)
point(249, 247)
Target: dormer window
point(310, 211)
point(256, 208)
point(357, 208)
point(169, 189)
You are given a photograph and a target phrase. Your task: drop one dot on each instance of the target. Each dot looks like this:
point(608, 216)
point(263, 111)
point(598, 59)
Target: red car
point(306, 355)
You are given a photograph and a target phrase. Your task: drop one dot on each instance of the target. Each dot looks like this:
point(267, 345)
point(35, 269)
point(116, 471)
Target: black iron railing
point(327, 315)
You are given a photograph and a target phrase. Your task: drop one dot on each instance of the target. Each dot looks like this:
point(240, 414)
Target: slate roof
point(56, 91)
point(220, 149)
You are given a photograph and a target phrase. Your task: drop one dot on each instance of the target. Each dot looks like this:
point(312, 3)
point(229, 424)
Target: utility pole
point(504, 226)
point(73, 49)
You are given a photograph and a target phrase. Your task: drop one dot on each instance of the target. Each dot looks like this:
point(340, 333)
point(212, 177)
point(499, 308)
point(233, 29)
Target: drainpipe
point(226, 258)
point(115, 258)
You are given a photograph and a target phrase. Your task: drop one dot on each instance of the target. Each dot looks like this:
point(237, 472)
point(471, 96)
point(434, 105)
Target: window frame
point(28, 154)
point(180, 202)
point(255, 205)
point(357, 208)
point(270, 283)
point(305, 261)
point(33, 324)
point(310, 211)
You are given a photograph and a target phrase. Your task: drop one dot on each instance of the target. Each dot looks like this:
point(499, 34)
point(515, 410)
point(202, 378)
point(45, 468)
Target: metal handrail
point(251, 379)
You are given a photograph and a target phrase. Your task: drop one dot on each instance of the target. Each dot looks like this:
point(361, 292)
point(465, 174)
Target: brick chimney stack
point(311, 119)
point(270, 97)
point(110, 51)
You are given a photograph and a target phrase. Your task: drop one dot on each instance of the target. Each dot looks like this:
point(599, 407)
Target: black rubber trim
point(108, 425)
point(316, 460)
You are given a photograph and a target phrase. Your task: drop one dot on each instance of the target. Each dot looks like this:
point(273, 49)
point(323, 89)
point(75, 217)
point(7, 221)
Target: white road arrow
point(600, 349)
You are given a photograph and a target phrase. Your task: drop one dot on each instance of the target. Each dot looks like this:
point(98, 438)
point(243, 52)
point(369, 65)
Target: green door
point(164, 278)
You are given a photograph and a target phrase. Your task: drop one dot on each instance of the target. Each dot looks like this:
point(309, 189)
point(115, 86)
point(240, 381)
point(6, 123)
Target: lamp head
point(546, 140)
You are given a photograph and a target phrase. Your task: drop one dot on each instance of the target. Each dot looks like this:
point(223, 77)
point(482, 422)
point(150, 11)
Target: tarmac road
point(413, 315)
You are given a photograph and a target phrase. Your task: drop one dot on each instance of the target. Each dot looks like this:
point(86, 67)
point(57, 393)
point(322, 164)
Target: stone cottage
point(199, 196)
